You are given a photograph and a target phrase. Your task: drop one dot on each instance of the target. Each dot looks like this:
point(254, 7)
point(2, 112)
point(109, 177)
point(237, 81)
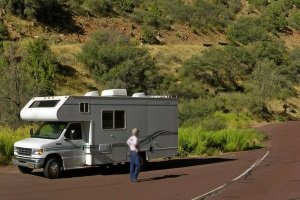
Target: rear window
point(44, 104)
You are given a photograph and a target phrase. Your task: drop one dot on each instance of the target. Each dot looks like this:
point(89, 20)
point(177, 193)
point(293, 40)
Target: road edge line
point(256, 163)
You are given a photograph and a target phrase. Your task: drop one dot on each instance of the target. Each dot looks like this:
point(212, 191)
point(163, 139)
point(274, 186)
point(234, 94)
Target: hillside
point(178, 41)
point(178, 44)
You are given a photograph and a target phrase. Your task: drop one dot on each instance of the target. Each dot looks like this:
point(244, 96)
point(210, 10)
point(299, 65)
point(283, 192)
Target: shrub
point(3, 32)
point(8, 137)
point(274, 16)
point(50, 12)
point(294, 19)
point(213, 123)
point(98, 7)
point(148, 35)
point(193, 111)
point(126, 6)
point(113, 59)
point(259, 3)
point(234, 120)
point(196, 141)
point(247, 30)
point(220, 68)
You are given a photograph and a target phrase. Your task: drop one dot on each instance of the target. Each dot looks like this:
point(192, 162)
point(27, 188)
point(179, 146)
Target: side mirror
point(66, 139)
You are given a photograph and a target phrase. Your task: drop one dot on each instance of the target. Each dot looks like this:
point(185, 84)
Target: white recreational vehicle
point(90, 130)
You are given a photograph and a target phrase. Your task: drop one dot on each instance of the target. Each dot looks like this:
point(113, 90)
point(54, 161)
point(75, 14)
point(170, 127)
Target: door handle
point(58, 143)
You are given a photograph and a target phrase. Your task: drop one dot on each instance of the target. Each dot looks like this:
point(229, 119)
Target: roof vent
point(92, 93)
point(114, 92)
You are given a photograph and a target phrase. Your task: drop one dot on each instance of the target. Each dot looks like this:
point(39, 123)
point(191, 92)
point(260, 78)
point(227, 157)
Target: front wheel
point(25, 170)
point(53, 168)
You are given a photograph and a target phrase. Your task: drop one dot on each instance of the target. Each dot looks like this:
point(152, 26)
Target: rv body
point(87, 131)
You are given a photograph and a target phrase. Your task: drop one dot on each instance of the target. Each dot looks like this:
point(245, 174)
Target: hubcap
point(54, 167)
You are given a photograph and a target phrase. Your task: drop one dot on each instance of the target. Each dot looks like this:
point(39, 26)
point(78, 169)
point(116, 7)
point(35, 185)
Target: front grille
point(24, 151)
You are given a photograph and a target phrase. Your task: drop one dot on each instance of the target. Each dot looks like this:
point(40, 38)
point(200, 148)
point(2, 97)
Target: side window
point(74, 132)
point(119, 119)
point(113, 119)
point(107, 119)
point(84, 107)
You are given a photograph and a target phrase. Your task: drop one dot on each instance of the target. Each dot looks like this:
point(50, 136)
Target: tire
point(52, 168)
point(25, 170)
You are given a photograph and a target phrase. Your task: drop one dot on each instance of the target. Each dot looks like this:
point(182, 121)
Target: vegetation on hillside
point(240, 78)
point(118, 63)
point(27, 70)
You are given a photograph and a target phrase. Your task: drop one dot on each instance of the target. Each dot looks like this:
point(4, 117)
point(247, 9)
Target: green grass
point(8, 137)
point(197, 141)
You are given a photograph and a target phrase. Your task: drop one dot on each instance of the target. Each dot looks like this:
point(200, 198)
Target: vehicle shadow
point(150, 166)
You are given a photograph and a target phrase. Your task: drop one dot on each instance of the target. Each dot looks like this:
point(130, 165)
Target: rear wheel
point(53, 168)
point(25, 170)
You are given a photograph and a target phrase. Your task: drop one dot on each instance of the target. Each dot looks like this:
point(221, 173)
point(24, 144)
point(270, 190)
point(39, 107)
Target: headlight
point(15, 150)
point(37, 151)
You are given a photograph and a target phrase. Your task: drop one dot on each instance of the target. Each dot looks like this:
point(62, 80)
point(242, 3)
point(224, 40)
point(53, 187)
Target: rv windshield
point(50, 130)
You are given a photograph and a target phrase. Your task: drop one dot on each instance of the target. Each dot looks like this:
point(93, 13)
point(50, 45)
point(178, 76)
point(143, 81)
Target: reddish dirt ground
point(277, 177)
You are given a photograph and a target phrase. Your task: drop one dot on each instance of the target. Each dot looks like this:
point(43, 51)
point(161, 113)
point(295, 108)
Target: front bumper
point(33, 163)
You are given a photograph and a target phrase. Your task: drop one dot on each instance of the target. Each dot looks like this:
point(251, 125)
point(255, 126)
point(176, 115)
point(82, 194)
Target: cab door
point(73, 146)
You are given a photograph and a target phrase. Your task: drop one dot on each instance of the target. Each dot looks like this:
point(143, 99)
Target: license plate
point(30, 165)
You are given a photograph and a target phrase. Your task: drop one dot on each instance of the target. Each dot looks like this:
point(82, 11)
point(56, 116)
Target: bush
point(247, 30)
point(8, 137)
point(220, 68)
point(113, 59)
point(126, 6)
point(259, 3)
point(148, 35)
point(274, 16)
point(3, 32)
point(98, 7)
point(196, 141)
point(213, 123)
point(193, 111)
point(294, 19)
point(49, 12)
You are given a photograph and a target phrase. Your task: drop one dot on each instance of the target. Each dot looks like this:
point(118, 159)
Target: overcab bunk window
point(44, 104)
point(113, 119)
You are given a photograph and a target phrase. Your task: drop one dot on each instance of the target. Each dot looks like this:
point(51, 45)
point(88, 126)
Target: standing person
point(133, 143)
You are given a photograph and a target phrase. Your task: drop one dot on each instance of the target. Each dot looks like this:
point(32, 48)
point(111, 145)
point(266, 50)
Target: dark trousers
point(134, 165)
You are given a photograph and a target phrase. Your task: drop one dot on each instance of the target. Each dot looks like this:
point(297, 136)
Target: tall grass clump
point(8, 137)
point(197, 141)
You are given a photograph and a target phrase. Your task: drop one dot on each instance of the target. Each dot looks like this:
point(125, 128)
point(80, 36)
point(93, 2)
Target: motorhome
point(91, 130)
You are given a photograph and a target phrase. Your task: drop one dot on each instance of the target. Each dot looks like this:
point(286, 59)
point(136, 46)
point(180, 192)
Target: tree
point(40, 63)
point(13, 90)
point(223, 69)
point(115, 61)
point(24, 73)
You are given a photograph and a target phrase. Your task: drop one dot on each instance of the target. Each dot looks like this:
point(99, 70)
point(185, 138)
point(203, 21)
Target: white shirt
point(133, 143)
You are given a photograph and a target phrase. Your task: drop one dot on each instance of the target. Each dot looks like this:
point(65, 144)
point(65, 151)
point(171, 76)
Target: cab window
point(74, 132)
